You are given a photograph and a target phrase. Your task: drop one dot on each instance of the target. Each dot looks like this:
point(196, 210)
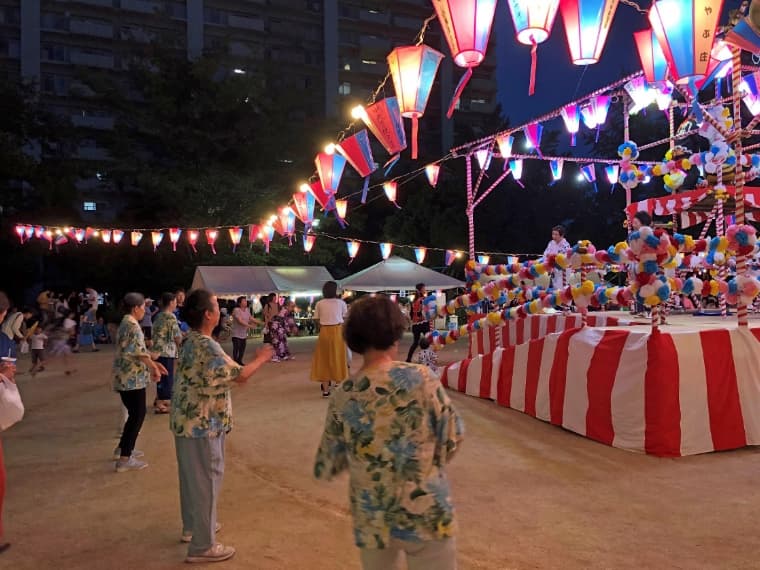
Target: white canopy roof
point(232, 281)
point(396, 274)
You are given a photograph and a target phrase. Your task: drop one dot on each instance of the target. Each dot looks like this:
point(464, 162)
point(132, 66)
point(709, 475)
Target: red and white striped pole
point(470, 210)
point(720, 232)
point(741, 260)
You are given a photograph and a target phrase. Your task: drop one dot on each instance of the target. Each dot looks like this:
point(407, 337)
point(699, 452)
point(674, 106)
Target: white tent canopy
point(233, 281)
point(397, 274)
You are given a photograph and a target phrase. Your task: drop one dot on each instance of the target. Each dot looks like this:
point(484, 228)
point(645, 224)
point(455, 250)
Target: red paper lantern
point(156, 238)
point(384, 121)
point(413, 70)
point(358, 152)
point(308, 242)
point(587, 23)
point(211, 235)
point(653, 61)
point(192, 238)
point(236, 234)
point(330, 168)
point(467, 26)
point(174, 234)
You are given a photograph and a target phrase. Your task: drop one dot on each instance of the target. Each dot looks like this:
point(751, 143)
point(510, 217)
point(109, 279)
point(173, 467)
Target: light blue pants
point(201, 469)
point(429, 555)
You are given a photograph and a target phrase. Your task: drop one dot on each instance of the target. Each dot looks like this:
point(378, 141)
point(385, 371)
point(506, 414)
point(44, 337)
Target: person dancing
point(329, 363)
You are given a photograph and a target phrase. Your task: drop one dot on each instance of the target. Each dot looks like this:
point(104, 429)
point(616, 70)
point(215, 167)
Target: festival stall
point(398, 274)
point(234, 281)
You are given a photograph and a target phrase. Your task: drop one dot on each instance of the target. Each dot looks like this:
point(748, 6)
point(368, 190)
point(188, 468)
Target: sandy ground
point(529, 495)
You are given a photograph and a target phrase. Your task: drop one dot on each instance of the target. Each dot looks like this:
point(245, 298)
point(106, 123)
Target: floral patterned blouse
point(201, 404)
point(165, 330)
point(129, 372)
point(394, 428)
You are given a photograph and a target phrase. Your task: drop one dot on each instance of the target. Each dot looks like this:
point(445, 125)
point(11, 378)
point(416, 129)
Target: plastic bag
point(11, 406)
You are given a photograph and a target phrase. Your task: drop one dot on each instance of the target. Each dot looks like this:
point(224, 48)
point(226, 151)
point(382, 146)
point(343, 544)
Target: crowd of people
point(175, 345)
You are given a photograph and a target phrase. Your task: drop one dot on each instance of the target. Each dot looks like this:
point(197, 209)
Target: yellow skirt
point(329, 363)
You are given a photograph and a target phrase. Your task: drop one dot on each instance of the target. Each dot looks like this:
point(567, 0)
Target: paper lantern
point(174, 234)
point(254, 233)
point(39, 232)
point(156, 238)
point(594, 113)
point(358, 152)
point(79, 235)
point(285, 222)
point(533, 21)
point(386, 249)
point(556, 168)
point(450, 257)
point(587, 23)
point(20, 232)
point(117, 236)
point(413, 70)
point(88, 233)
point(211, 235)
point(505, 142)
point(330, 168)
point(322, 197)
point(516, 166)
point(341, 206)
point(571, 115)
point(353, 248)
point(746, 34)
point(588, 172)
point(267, 235)
point(391, 190)
point(308, 242)
point(652, 58)
point(720, 65)
point(432, 171)
point(613, 173)
point(384, 121)
point(192, 238)
point(685, 30)
point(484, 259)
point(48, 235)
point(483, 156)
point(236, 235)
point(106, 236)
point(420, 253)
point(466, 24)
point(135, 238)
point(533, 137)
point(640, 93)
point(664, 96)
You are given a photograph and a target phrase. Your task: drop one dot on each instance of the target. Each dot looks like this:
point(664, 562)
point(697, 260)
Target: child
point(427, 356)
point(38, 351)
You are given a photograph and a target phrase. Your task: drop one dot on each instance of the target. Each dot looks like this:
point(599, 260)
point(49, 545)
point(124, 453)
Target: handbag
point(11, 406)
point(267, 336)
point(23, 347)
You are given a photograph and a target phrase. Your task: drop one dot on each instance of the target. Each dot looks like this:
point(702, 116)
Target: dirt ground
point(529, 495)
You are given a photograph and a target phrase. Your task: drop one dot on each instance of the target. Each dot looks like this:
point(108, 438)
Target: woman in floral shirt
point(133, 369)
point(392, 426)
point(201, 416)
point(166, 340)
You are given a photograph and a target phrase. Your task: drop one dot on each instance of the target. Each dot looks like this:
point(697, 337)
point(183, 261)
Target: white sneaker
point(135, 453)
point(216, 553)
point(188, 536)
point(131, 464)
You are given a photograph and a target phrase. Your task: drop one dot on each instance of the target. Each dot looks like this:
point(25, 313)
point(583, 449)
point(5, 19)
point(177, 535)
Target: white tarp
point(397, 274)
point(231, 281)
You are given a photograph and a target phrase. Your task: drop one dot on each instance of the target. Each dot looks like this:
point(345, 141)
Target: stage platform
point(693, 387)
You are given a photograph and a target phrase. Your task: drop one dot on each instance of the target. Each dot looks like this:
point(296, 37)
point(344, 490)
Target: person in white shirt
point(38, 339)
point(558, 244)
point(330, 362)
point(242, 322)
point(427, 356)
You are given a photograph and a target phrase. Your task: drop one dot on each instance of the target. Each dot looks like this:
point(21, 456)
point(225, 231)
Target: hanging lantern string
point(409, 246)
point(635, 6)
point(551, 115)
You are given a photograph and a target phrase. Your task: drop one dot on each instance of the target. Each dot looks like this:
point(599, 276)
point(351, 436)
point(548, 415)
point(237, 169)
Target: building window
point(479, 101)
point(344, 88)
point(214, 16)
point(178, 10)
point(90, 207)
point(52, 52)
point(10, 48)
point(10, 15)
point(369, 62)
point(54, 21)
point(55, 84)
point(349, 12)
point(314, 5)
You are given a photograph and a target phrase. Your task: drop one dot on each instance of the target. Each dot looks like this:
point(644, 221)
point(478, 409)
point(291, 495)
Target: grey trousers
point(430, 555)
point(201, 468)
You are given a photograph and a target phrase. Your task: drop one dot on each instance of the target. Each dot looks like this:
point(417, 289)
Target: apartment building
point(333, 50)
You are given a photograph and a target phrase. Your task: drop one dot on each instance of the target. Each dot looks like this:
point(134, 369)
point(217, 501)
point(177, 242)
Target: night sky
point(557, 78)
